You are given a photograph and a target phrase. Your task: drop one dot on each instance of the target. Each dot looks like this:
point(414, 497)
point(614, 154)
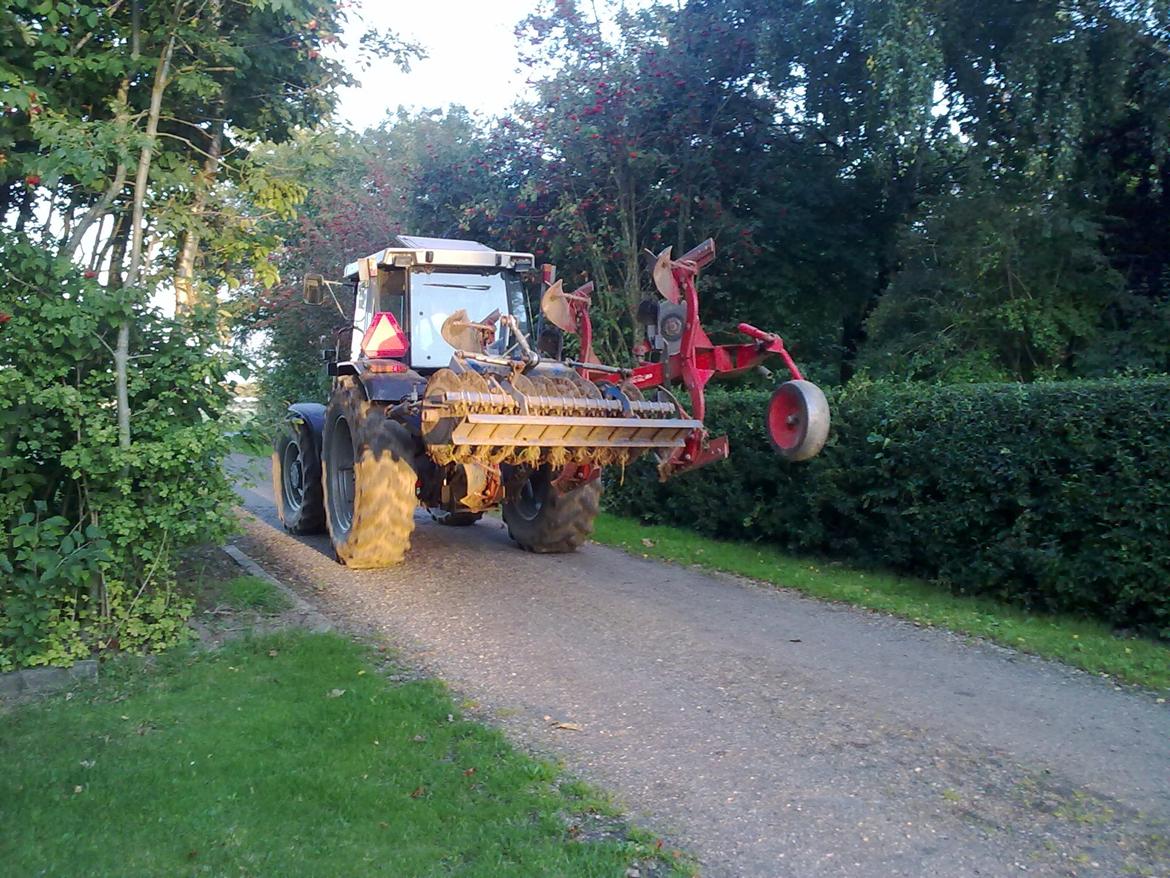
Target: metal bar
point(460, 437)
point(636, 423)
point(598, 367)
point(556, 403)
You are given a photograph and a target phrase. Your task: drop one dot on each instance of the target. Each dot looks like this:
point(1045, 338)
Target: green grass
point(286, 755)
point(253, 593)
point(1085, 644)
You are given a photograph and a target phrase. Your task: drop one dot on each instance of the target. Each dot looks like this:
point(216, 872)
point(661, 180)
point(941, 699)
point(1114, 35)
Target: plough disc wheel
point(798, 420)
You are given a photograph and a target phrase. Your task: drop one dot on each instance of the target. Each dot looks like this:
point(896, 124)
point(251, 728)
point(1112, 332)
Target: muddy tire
point(296, 481)
point(455, 519)
point(368, 480)
point(542, 520)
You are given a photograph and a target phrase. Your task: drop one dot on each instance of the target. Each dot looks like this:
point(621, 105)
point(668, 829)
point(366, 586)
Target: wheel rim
point(341, 479)
point(787, 418)
point(530, 501)
point(292, 478)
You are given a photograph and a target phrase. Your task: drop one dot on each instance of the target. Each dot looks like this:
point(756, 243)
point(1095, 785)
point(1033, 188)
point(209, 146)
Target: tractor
point(448, 397)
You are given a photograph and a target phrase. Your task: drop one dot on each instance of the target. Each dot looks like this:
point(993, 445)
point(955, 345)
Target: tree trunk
point(116, 247)
point(99, 209)
point(134, 272)
point(27, 196)
point(189, 241)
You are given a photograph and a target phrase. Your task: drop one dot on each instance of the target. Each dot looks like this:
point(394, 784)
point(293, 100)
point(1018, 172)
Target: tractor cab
point(404, 294)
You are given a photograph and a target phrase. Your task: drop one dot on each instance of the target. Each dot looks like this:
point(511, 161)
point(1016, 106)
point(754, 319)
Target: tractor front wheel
point(798, 420)
point(296, 481)
point(368, 479)
point(543, 520)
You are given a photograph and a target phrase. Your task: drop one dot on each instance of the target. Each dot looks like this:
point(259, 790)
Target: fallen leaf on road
point(570, 727)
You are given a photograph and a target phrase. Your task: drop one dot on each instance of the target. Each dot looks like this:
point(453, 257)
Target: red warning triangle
point(384, 338)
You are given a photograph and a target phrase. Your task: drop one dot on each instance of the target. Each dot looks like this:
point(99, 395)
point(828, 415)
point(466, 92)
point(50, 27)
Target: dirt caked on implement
point(459, 414)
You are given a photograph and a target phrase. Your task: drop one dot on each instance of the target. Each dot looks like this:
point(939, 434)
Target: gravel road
point(768, 734)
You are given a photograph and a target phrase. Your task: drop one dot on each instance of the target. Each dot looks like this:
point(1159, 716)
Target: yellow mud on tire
point(369, 482)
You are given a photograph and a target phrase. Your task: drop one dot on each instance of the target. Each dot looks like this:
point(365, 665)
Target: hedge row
point(1053, 496)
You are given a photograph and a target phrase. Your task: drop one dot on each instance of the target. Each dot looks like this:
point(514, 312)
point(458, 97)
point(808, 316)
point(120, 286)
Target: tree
point(127, 155)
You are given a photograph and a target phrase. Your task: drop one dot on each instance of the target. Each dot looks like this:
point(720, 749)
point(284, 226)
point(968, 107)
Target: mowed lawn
point(290, 754)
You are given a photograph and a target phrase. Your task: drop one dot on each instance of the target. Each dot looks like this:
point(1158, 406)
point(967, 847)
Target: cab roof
point(408, 250)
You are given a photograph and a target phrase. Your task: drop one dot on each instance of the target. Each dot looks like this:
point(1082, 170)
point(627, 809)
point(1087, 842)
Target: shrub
point(1054, 496)
point(90, 530)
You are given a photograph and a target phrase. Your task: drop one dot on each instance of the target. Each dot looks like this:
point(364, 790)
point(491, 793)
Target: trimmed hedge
point(1054, 496)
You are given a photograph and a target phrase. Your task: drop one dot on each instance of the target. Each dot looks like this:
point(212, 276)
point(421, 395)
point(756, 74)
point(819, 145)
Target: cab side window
point(391, 294)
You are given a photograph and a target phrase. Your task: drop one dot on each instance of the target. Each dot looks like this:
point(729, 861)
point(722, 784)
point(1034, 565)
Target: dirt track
point(769, 734)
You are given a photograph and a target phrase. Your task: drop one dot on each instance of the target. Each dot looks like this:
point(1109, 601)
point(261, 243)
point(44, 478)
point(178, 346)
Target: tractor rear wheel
point(368, 479)
point(543, 520)
point(296, 481)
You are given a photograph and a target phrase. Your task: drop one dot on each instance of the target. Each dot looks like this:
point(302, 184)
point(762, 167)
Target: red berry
point(33, 180)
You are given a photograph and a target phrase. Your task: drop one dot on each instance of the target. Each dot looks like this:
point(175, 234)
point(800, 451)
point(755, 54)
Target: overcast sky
point(471, 58)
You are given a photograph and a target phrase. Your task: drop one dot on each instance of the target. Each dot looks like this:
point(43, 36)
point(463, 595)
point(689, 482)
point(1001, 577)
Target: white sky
point(471, 60)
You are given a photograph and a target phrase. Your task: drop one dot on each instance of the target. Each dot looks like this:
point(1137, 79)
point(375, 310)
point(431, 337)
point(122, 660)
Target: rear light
point(384, 338)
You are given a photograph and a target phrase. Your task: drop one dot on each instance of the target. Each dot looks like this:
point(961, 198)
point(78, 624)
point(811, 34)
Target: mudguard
point(311, 414)
point(384, 381)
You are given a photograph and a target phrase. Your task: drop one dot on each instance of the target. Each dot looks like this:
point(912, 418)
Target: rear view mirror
point(314, 287)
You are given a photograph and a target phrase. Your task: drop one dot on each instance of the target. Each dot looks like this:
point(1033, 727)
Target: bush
point(1054, 496)
point(90, 530)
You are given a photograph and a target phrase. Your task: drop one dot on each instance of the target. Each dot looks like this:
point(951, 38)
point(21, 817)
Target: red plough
point(675, 349)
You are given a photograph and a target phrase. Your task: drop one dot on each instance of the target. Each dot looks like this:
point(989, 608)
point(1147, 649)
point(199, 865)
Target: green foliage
point(177, 97)
point(99, 570)
point(922, 190)
point(1052, 496)
point(991, 291)
point(48, 565)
